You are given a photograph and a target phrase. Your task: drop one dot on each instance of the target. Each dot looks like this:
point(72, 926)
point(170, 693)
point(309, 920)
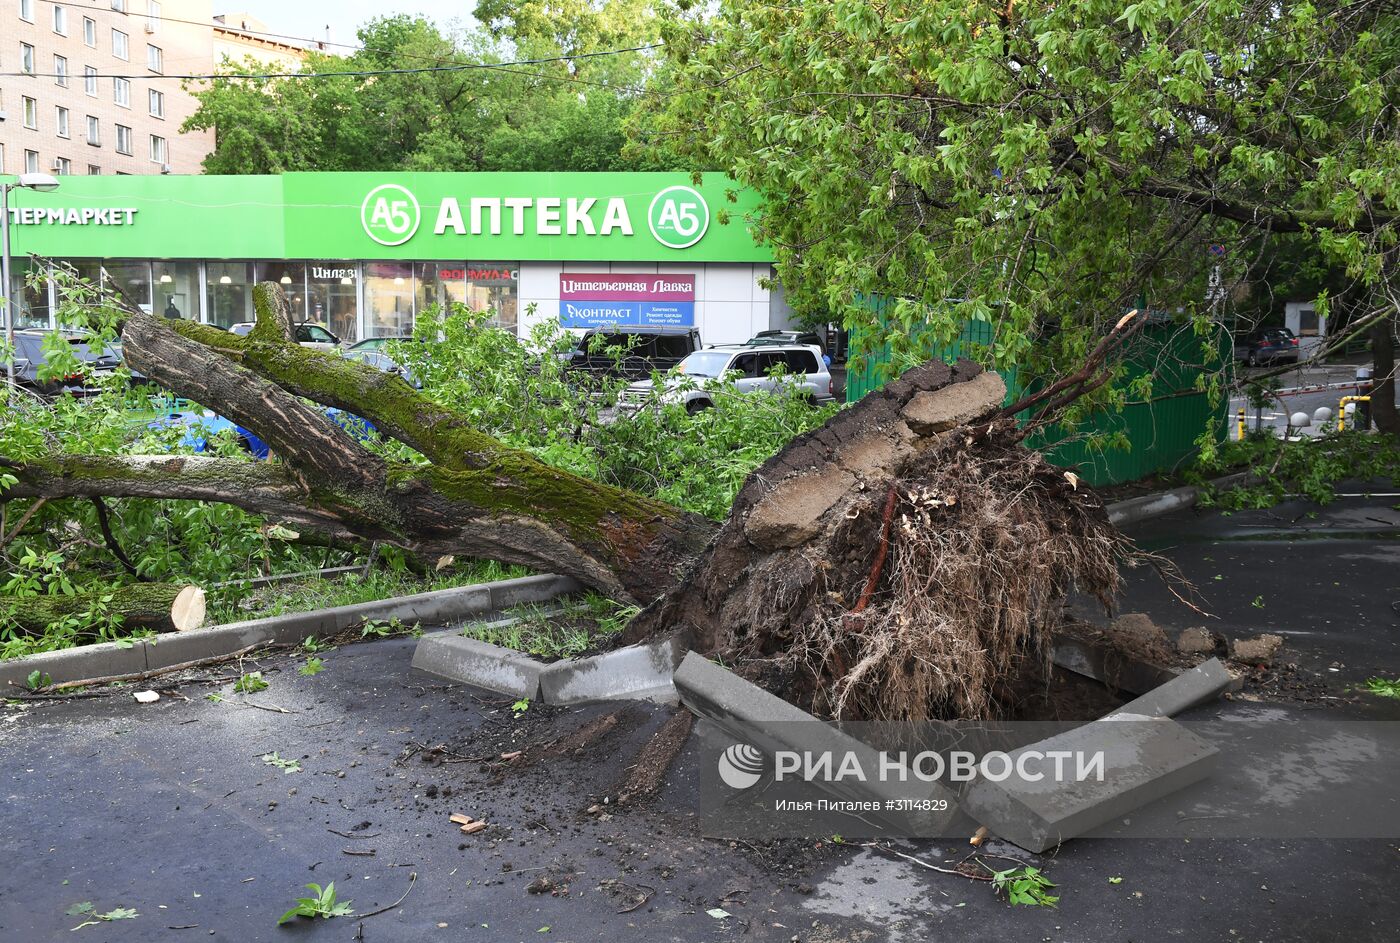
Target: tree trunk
point(161, 607)
point(1383, 388)
point(476, 497)
point(897, 562)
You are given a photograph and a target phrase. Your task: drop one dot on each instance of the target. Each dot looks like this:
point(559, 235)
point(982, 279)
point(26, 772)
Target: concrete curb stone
point(444, 605)
point(634, 673)
point(453, 656)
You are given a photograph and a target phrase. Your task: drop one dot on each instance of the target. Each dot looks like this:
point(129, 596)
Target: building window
point(31, 162)
point(177, 289)
point(155, 59)
point(26, 10)
point(158, 149)
point(230, 298)
point(94, 131)
point(121, 92)
point(31, 113)
point(60, 71)
point(119, 5)
point(90, 80)
point(121, 46)
point(123, 139)
point(389, 298)
point(26, 58)
point(94, 170)
point(61, 121)
point(332, 290)
point(90, 31)
point(483, 286)
point(62, 166)
point(60, 20)
point(152, 16)
point(156, 101)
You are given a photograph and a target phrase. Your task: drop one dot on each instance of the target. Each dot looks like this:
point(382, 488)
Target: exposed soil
point(647, 774)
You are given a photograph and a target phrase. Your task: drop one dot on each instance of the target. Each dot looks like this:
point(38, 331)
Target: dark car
point(636, 352)
point(30, 358)
point(784, 338)
point(378, 343)
point(1267, 345)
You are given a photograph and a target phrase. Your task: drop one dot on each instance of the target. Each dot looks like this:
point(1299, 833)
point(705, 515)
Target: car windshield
point(704, 363)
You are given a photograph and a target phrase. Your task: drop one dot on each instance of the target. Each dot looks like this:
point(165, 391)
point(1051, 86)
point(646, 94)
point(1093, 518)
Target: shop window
point(484, 286)
point(332, 290)
point(230, 293)
point(292, 277)
point(32, 299)
point(132, 280)
point(388, 298)
point(177, 289)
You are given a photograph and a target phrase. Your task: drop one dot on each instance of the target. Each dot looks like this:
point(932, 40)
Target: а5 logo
point(390, 215)
point(678, 217)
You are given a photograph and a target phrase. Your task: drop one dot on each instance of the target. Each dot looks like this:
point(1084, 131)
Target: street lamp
point(43, 183)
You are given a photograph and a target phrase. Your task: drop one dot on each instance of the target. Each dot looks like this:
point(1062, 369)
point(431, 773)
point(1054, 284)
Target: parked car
point(375, 357)
point(805, 338)
point(378, 343)
point(647, 350)
point(30, 357)
point(756, 367)
point(307, 334)
point(1267, 345)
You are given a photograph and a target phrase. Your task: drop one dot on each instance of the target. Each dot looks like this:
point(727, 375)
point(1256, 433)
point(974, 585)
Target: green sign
point(605, 217)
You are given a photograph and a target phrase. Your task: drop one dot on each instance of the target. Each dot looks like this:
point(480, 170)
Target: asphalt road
point(170, 809)
point(1299, 394)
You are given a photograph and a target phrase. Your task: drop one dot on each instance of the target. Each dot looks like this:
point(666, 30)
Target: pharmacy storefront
point(364, 253)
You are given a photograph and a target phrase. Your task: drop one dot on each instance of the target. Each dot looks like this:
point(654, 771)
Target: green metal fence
point(1161, 433)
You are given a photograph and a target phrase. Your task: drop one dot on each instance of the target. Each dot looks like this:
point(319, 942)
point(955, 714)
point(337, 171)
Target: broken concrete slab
point(1143, 760)
point(458, 658)
point(755, 717)
point(1196, 641)
point(933, 411)
point(1190, 688)
point(1259, 650)
point(1108, 665)
point(634, 673)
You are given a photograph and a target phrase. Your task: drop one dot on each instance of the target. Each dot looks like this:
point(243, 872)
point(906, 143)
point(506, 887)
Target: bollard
point(1342, 411)
point(1239, 424)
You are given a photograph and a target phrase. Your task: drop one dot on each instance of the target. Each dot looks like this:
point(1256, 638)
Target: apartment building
point(240, 36)
point(90, 87)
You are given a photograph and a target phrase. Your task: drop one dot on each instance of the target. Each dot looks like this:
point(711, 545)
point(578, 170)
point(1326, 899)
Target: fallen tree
point(897, 561)
point(160, 607)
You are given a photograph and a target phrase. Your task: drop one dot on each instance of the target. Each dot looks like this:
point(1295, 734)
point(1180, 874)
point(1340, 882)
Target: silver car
point(769, 367)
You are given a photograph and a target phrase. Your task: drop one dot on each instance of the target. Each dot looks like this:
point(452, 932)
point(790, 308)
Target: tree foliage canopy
point(1047, 165)
point(559, 115)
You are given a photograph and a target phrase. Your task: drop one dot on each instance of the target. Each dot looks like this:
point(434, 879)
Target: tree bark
point(474, 497)
point(1383, 388)
point(141, 606)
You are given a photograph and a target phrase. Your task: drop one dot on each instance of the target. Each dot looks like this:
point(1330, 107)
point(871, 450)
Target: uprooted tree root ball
point(907, 561)
point(983, 547)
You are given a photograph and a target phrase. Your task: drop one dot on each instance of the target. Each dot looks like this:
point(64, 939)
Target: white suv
point(801, 367)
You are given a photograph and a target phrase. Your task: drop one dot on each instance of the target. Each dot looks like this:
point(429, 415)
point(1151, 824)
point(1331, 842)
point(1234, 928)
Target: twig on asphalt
point(932, 867)
point(352, 835)
point(651, 892)
point(412, 880)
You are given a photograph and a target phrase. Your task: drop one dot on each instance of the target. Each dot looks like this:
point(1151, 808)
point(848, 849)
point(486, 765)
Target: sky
point(309, 18)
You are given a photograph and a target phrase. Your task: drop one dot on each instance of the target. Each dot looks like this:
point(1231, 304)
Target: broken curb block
point(933, 411)
point(751, 715)
point(457, 658)
point(1195, 642)
point(1143, 760)
point(1108, 665)
point(1259, 650)
point(634, 673)
point(1192, 687)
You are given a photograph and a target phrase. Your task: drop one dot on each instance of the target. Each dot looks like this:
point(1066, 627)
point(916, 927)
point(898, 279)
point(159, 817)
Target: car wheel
point(697, 405)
